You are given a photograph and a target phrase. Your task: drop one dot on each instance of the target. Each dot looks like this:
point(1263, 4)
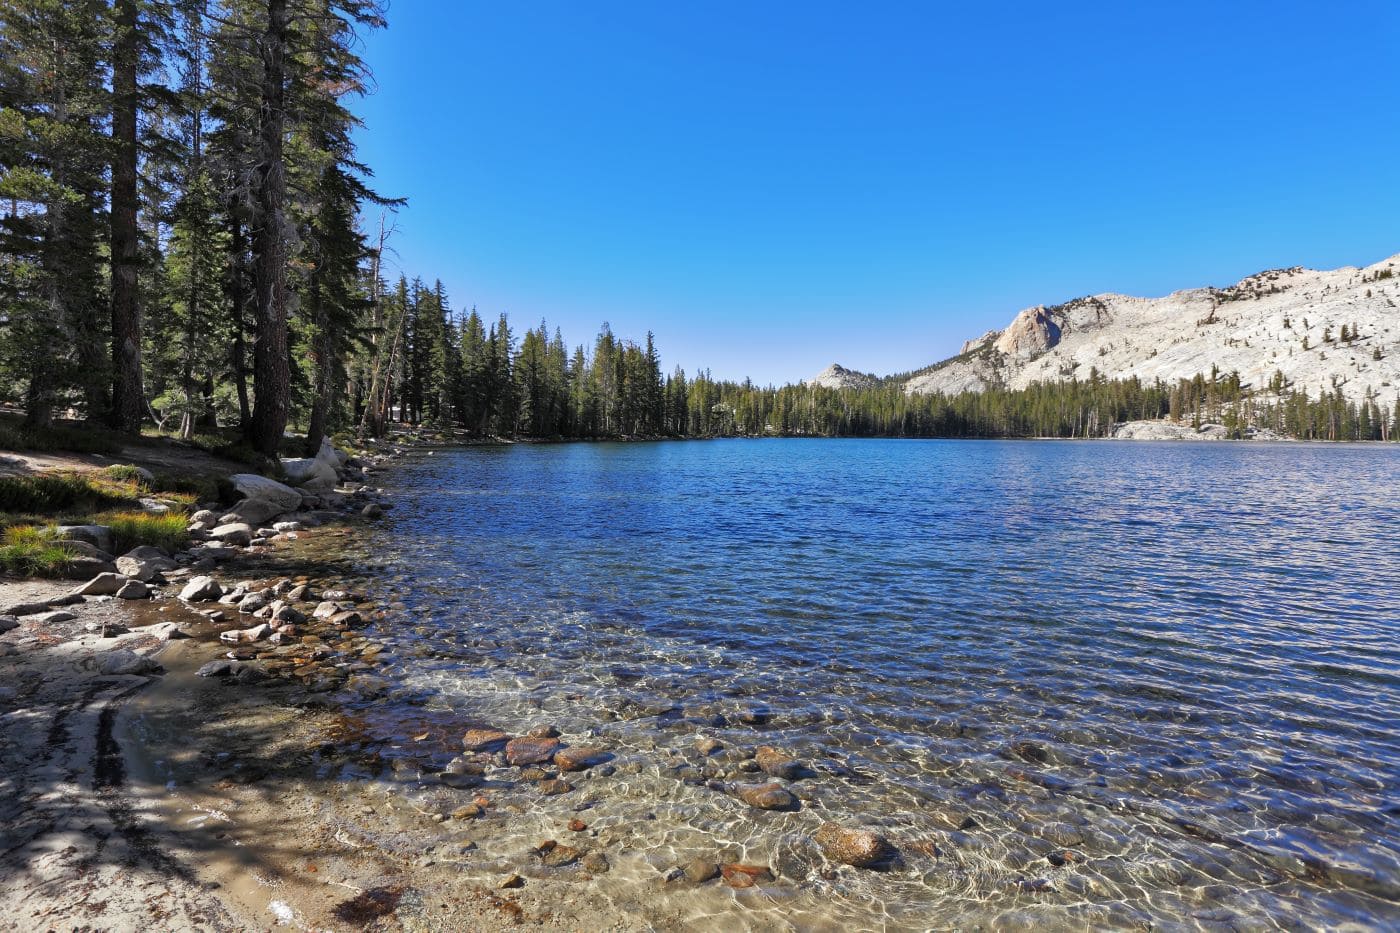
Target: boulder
point(144, 569)
point(8, 623)
point(133, 589)
point(238, 534)
point(99, 536)
point(104, 584)
point(858, 847)
point(777, 764)
point(310, 473)
point(83, 549)
point(123, 661)
point(54, 617)
point(84, 568)
point(580, 758)
point(201, 589)
point(373, 510)
point(154, 506)
point(253, 486)
point(766, 796)
point(528, 751)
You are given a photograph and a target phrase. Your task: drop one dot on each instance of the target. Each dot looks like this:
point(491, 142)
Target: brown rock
point(708, 746)
point(858, 847)
point(766, 796)
point(777, 763)
point(744, 876)
point(577, 826)
point(484, 740)
point(555, 787)
point(527, 751)
point(580, 758)
point(559, 856)
point(512, 881)
point(466, 812)
point(596, 862)
point(543, 732)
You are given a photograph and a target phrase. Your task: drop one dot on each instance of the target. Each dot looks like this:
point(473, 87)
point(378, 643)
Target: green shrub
point(126, 473)
point(32, 552)
point(132, 529)
point(52, 493)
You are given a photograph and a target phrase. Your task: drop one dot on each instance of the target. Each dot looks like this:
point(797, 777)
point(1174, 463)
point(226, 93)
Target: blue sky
point(771, 187)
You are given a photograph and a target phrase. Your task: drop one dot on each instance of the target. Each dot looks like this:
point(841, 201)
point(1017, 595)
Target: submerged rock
point(778, 764)
point(528, 751)
point(484, 740)
point(858, 847)
point(596, 862)
point(558, 856)
point(766, 796)
point(701, 870)
point(744, 876)
point(580, 758)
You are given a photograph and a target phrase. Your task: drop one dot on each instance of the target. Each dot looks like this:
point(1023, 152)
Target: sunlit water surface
point(1079, 684)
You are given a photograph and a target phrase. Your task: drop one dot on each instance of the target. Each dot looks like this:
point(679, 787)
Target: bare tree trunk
point(128, 397)
point(271, 372)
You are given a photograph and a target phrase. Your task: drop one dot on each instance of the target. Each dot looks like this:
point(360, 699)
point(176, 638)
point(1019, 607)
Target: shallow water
point(1078, 683)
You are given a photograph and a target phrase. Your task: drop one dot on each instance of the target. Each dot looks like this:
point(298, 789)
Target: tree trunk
point(271, 372)
point(238, 300)
point(128, 398)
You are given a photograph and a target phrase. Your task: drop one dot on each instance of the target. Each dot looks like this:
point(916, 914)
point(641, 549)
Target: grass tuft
point(133, 529)
point(30, 551)
point(54, 493)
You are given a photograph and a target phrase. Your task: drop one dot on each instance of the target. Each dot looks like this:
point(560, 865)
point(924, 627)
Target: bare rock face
point(858, 847)
point(837, 376)
point(1032, 333)
point(527, 751)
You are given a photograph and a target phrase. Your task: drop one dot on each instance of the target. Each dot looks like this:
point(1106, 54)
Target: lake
point(1076, 683)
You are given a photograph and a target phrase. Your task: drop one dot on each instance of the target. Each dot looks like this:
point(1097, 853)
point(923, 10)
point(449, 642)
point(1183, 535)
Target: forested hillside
point(190, 244)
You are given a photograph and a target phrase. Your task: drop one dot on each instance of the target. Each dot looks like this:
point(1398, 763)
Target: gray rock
point(133, 589)
point(122, 661)
point(310, 473)
point(155, 506)
point(766, 796)
point(238, 534)
point(777, 763)
point(104, 584)
point(53, 618)
point(373, 510)
point(8, 624)
point(83, 568)
point(99, 536)
point(253, 486)
point(144, 569)
point(201, 589)
point(284, 527)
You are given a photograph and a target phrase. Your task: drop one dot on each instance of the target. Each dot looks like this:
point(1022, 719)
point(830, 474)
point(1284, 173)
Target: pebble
point(596, 862)
point(708, 746)
point(558, 856)
point(512, 881)
point(580, 758)
point(483, 740)
point(744, 876)
point(554, 787)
